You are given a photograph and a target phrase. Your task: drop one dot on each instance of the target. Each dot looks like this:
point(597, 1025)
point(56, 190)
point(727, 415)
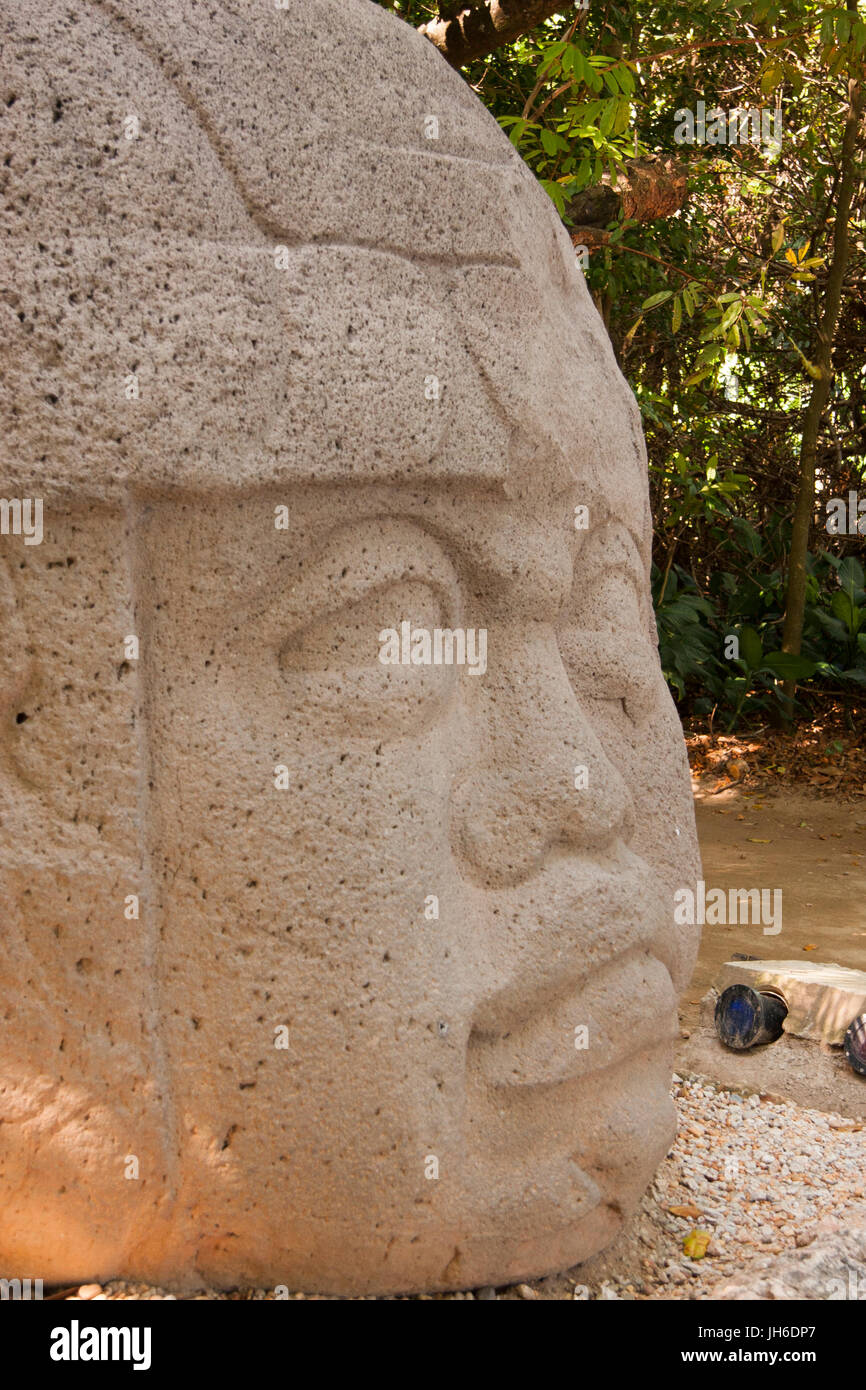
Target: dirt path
point(813, 849)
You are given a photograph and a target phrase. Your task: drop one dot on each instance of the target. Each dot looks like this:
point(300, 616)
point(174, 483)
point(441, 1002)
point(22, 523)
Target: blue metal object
point(855, 1044)
point(744, 1018)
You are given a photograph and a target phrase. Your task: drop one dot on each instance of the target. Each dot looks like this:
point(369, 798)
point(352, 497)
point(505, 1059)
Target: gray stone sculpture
point(321, 967)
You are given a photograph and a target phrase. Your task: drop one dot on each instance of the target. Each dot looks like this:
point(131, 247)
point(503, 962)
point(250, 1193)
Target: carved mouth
point(588, 940)
point(627, 1009)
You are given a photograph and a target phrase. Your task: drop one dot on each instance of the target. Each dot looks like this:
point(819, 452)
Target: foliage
point(714, 312)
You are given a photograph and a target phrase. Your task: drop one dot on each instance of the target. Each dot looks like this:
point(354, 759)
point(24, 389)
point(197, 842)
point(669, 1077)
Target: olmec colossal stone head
point(326, 963)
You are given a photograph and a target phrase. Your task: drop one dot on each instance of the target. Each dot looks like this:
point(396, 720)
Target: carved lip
point(627, 1008)
point(578, 921)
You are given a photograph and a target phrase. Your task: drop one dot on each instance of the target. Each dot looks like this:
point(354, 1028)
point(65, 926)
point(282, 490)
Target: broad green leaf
point(843, 608)
point(789, 667)
point(851, 575)
point(656, 299)
point(751, 648)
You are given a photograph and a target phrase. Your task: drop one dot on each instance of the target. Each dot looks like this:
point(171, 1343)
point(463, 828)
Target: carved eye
point(348, 639)
point(334, 671)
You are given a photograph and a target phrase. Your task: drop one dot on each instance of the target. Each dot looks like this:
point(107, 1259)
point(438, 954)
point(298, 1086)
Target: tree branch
point(481, 28)
point(645, 189)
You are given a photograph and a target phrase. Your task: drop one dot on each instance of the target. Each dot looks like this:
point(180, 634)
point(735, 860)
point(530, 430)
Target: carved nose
point(541, 778)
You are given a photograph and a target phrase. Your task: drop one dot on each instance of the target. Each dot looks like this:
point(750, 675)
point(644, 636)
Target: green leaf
point(554, 192)
point(747, 534)
point(676, 315)
point(832, 626)
point(851, 575)
point(623, 117)
point(789, 667)
point(844, 609)
point(751, 648)
point(698, 376)
point(656, 299)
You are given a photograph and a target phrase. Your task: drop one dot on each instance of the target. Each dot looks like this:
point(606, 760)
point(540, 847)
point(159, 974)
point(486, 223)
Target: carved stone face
point(396, 1010)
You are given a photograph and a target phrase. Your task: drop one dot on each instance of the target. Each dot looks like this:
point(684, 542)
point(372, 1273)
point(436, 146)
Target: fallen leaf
point(696, 1244)
point(754, 841)
point(810, 948)
point(688, 1210)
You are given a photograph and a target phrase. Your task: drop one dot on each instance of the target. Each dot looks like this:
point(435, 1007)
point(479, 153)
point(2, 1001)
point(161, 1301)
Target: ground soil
point(772, 816)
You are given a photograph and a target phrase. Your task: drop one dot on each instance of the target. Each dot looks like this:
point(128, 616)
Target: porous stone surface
point(757, 1177)
point(301, 950)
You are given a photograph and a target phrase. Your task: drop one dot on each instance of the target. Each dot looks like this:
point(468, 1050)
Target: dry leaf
point(690, 1211)
point(810, 948)
point(696, 1244)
